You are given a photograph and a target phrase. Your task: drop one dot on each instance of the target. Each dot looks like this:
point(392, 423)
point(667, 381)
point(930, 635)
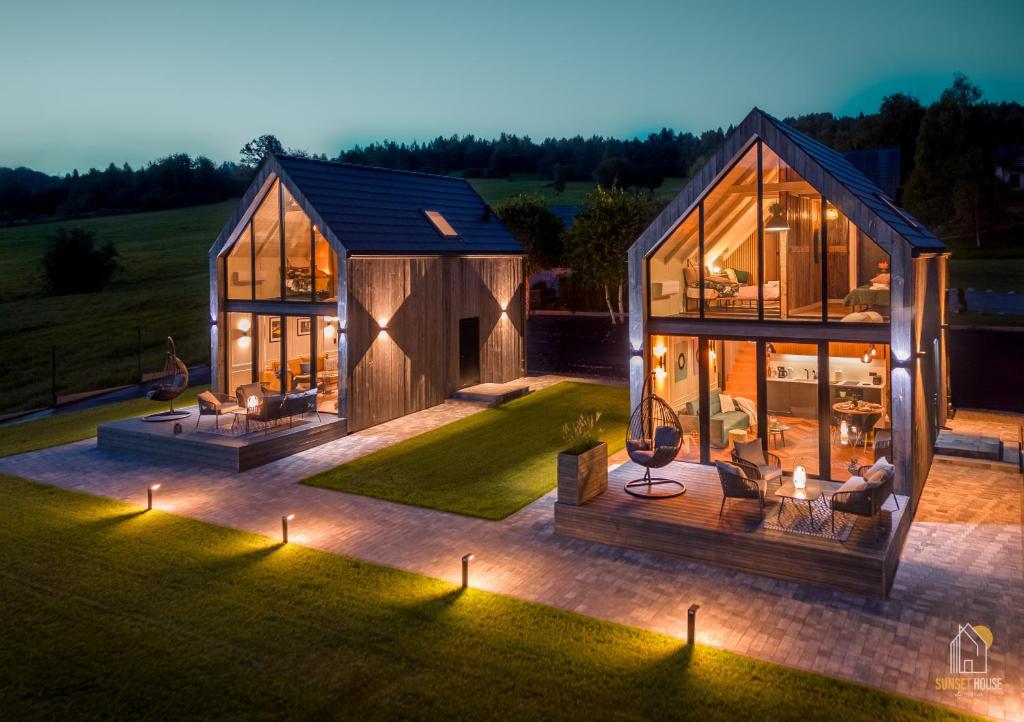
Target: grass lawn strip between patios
point(114, 613)
point(487, 465)
point(77, 425)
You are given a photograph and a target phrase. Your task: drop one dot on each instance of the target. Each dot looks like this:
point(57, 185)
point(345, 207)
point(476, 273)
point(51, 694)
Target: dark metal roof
point(844, 172)
point(379, 210)
point(881, 166)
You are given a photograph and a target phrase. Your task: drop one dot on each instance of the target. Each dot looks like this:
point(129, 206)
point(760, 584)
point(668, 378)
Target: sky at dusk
point(87, 83)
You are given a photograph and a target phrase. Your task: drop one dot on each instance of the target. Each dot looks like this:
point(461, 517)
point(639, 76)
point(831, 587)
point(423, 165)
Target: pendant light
point(777, 220)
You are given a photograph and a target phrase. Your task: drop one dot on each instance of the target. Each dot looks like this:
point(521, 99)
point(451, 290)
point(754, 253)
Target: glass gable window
point(238, 278)
point(266, 224)
point(764, 243)
point(298, 251)
point(730, 242)
point(256, 268)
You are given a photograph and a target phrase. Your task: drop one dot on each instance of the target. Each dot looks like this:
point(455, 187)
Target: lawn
point(490, 464)
point(112, 613)
point(496, 190)
point(77, 425)
point(164, 290)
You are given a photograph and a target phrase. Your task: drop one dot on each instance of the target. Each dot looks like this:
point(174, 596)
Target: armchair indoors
point(737, 485)
point(756, 462)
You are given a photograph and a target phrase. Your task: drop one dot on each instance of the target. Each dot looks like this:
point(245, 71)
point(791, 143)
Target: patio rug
point(795, 520)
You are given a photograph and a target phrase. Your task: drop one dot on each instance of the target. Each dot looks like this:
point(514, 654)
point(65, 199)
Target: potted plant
point(583, 466)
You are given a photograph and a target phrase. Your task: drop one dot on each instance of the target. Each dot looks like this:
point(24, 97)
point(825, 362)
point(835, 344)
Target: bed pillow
point(731, 274)
point(881, 278)
point(726, 402)
point(742, 276)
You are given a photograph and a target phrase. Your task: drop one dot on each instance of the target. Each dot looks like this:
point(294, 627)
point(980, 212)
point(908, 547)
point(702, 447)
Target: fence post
point(53, 376)
point(138, 351)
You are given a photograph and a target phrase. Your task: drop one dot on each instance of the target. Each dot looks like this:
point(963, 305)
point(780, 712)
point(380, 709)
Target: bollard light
point(284, 527)
point(149, 496)
point(691, 623)
point(465, 570)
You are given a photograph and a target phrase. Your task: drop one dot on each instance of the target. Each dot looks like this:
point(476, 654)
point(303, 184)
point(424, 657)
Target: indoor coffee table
point(810, 493)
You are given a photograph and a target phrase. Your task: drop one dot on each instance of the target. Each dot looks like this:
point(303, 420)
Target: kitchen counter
point(841, 384)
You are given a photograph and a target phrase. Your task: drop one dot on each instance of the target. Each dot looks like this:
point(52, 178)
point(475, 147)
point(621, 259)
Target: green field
point(164, 289)
point(77, 425)
point(112, 613)
point(490, 464)
point(496, 190)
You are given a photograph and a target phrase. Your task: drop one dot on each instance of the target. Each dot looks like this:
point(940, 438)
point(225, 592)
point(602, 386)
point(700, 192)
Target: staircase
point(741, 370)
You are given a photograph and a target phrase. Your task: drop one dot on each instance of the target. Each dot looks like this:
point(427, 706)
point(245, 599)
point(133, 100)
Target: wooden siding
point(413, 364)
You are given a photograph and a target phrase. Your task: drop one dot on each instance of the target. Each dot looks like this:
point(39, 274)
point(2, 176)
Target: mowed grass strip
point(490, 464)
point(115, 613)
point(77, 425)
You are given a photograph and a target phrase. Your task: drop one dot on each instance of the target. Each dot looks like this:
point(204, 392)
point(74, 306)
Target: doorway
point(469, 351)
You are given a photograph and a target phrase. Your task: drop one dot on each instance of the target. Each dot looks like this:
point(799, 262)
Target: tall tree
point(611, 220)
point(73, 264)
point(537, 229)
point(253, 152)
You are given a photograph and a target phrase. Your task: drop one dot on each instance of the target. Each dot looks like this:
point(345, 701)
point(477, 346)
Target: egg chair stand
point(653, 440)
point(170, 385)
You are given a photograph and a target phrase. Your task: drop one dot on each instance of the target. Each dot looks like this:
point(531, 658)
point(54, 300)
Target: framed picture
point(304, 326)
point(275, 329)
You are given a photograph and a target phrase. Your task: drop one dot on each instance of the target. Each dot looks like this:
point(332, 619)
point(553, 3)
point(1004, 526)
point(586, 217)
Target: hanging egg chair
point(170, 385)
point(653, 440)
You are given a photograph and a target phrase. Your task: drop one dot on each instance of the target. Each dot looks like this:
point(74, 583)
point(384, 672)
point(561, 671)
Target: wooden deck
point(235, 452)
point(689, 526)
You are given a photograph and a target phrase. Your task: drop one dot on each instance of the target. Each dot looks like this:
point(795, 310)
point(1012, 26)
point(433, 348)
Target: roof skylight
point(441, 224)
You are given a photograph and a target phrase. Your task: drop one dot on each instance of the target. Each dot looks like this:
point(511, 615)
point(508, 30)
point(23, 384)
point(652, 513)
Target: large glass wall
point(266, 224)
point(791, 387)
point(859, 405)
point(326, 264)
point(732, 395)
point(327, 375)
point(816, 264)
point(270, 334)
point(676, 379)
point(730, 242)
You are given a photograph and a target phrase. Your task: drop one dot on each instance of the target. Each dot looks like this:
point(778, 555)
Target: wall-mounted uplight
point(504, 310)
point(244, 327)
point(831, 212)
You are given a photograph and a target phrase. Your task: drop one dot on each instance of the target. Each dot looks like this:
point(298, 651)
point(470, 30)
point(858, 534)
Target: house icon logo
point(968, 650)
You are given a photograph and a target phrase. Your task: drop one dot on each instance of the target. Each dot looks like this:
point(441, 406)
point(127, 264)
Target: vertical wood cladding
point(413, 362)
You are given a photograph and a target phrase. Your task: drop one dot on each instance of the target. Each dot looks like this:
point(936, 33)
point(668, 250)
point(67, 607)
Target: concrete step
point(969, 446)
point(490, 394)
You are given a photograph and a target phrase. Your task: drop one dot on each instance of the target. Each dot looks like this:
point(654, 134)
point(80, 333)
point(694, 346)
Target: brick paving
point(963, 561)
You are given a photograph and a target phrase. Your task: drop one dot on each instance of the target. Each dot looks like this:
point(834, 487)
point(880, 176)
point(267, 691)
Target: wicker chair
point(758, 464)
point(652, 441)
point(171, 384)
point(865, 502)
point(737, 485)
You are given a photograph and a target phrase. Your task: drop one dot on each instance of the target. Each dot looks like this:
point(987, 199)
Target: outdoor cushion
point(209, 399)
point(876, 477)
point(854, 483)
point(882, 464)
point(665, 436)
point(769, 472)
point(731, 468)
point(751, 451)
point(632, 446)
point(641, 456)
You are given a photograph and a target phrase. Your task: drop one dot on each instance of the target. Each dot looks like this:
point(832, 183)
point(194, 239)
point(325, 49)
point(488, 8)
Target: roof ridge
point(363, 166)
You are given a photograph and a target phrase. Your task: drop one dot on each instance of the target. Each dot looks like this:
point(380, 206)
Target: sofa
point(722, 422)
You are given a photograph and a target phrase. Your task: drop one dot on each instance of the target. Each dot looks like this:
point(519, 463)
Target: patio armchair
point(756, 462)
point(215, 405)
point(737, 485)
point(864, 498)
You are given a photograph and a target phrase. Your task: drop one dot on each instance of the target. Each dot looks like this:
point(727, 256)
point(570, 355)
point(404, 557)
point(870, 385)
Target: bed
point(723, 291)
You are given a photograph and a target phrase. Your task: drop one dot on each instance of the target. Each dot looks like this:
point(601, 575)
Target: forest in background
point(948, 151)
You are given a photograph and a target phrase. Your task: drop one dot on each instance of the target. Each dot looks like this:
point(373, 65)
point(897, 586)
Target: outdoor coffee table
point(810, 493)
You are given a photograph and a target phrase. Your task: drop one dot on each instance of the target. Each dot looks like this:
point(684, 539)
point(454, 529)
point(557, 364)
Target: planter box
point(584, 476)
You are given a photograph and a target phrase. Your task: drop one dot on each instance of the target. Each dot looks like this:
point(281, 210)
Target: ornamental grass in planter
point(583, 466)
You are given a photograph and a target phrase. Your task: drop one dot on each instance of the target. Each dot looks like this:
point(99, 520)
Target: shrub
point(581, 435)
point(73, 264)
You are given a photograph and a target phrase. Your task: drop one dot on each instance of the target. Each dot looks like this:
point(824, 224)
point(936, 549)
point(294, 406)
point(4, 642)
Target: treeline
point(172, 182)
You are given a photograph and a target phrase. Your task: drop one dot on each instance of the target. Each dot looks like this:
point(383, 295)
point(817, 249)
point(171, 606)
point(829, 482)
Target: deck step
point(490, 394)
point(969, 446)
